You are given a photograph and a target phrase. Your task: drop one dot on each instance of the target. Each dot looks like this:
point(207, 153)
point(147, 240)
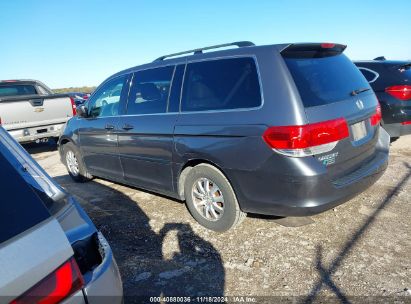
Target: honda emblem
point(360, 104)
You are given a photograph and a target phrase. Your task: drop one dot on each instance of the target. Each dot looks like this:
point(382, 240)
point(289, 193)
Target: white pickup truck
point(30, 112)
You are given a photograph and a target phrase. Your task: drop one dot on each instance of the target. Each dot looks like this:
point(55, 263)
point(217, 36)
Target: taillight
point(73, 106)
point(402, 92)
point(57, 286)
point(376, 118)
point(406, 123)
point(307, 139)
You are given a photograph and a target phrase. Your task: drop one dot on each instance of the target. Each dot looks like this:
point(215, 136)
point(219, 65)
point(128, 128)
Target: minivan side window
point(105, 102)
point(175, 92)
point(150, 91)
point(221, 85)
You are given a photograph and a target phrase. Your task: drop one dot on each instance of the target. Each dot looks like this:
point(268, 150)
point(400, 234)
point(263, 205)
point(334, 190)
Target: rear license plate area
point(42, 131)
point(358, 130)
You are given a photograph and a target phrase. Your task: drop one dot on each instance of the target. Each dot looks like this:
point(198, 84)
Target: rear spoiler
point(312, 50)
point(31, 97)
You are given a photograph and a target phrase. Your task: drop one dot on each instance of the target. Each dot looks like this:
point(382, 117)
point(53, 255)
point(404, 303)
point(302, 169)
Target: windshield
point(325, 80)
point(17, 90)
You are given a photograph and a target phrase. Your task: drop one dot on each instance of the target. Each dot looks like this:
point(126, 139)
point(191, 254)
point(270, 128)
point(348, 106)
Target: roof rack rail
point(200, 50)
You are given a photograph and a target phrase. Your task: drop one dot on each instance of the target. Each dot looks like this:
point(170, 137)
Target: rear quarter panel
point(233, 138)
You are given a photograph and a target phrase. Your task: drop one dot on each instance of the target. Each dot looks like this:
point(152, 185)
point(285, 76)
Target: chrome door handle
point(109, 127)
point(128, 127)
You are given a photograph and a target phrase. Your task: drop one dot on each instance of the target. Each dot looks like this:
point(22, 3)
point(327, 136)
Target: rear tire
point(211, 199)
point(74, 164)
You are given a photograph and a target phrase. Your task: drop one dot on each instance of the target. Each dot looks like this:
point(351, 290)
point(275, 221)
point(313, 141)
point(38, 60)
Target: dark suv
point(391, 82)
point(289, 129)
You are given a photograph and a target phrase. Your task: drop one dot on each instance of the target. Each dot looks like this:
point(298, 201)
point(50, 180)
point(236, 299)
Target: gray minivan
point(287, 130)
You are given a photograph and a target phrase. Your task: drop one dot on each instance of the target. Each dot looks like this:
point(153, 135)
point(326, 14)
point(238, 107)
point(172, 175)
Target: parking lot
point(361, 248)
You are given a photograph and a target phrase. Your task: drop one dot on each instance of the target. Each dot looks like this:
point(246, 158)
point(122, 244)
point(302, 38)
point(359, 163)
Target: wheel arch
point(65, 140)
point(187, 167)
point(61, 142)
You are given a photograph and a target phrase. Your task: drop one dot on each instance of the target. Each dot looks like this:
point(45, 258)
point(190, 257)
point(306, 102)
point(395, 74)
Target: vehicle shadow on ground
point(173, 262)
point(288, 221)
point(37, 148)
point(325, 272)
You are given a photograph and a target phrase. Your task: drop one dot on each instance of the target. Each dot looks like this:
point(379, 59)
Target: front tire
point(74, 164)
point(211, 199)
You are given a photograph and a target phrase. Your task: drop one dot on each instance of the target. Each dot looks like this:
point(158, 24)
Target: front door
point(98, 132)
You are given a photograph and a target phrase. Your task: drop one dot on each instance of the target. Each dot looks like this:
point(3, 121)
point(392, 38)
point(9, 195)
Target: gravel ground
point(358, 250)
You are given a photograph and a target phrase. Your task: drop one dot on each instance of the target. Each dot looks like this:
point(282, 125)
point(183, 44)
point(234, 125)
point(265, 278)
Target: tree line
point(84, 89)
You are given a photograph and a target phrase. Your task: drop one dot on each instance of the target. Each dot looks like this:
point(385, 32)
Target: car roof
point(184, 59)
point(19, 81)
point(25, 81)
point(245, 48)
point(382, 62)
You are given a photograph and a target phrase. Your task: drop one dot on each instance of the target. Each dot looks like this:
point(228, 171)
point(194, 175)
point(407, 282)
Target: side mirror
point(82, 111)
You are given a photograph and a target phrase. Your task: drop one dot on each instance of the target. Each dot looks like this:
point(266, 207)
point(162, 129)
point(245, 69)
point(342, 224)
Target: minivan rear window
point(221, 85)
point(322, 81)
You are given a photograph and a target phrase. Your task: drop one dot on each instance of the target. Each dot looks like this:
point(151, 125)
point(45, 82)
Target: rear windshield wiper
point(359, 91)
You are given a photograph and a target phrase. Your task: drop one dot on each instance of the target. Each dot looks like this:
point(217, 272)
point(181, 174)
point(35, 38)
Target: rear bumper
point(311, 193)
point(105, 285)
point(32, 134)
point(397, 129)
